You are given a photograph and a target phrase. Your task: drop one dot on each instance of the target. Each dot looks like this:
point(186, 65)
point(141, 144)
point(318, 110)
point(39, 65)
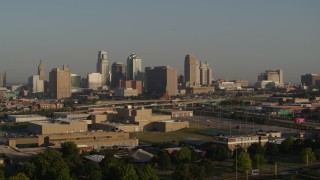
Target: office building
point(309, 79)
point(118, 71)
point(60, 83)
point(84, 140)
point(75, 81)
point(129, 92)
point(317, 83)
point(270, 79)
point(95, 81)
point(134, 67)
point(130, 84)
point(3, 79)
point(36, 85)
point(205, 74)
point(103, 66)
point(191, 71)
point(161, 80)
point(232, 142)
point(41, 72)
point(272, 75)
point(26, 118)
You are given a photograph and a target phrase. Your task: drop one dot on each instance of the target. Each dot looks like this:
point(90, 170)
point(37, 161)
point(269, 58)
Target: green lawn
point(172, 137)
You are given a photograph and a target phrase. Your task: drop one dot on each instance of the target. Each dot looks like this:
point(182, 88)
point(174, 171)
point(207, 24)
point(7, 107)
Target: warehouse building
point(26, 118)
point(58, 126)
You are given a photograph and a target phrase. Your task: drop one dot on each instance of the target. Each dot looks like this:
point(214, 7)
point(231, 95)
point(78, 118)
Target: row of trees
point(69, 164)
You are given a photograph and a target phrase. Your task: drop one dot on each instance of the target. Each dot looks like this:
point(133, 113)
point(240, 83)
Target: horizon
point(238, 39)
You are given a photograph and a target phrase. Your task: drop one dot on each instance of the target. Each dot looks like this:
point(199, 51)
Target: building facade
point(36, 85)
point(118, 71)
point(138, 85)
point(75, 81)
point(205, 74)
point(103, 66)
point(41, 71)
point(95, 81)
point(133, 67)
point(3, 79)
point(191, 70)
point(161, 80)
point(272, 75)
point(309, 79)
point(60, 83)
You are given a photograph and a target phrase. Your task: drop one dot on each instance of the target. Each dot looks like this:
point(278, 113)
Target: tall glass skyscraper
point(133, 67)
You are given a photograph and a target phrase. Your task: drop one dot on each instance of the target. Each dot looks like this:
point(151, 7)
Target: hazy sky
point(238, 38)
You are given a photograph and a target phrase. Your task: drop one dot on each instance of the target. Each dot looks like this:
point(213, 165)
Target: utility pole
point(236, 164)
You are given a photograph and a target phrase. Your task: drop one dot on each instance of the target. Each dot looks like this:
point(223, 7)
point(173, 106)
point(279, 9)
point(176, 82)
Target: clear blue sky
point(238, 38)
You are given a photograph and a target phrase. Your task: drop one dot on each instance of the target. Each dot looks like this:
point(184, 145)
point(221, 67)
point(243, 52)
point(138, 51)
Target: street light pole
point(236, 164)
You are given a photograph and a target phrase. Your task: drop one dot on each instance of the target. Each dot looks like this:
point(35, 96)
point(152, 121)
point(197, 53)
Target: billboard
point(299, 120)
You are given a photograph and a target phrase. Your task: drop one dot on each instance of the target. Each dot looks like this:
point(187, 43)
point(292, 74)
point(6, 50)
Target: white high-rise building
point(133, 67)
point(103, 66)
point(36, 85)
point(95, 81)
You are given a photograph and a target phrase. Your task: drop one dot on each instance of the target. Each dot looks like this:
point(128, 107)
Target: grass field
point(172, 137)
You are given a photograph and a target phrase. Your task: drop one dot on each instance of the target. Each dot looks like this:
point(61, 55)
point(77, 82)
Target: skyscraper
point(205, 74)
point(60, 83)
point(3, 79)
point(191, 70)
point(94, 81)
point(309, 79)
point(41, 71)
point(161, 80)
point(103, 66)
point(75, 81)
point(133, 67)
point(118, 70)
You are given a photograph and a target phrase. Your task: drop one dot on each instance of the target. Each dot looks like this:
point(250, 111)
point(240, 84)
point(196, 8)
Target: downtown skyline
point(238, 39)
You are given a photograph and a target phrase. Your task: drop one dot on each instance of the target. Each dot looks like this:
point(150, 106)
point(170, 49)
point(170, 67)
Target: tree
point(208, 166)
point(128, 173)
point(111, 168)
point(183, 156)
point(237, 151)
point(286, 145)
point(164, 160)
point(309, 143)
point(244, 162)
point(29, 169)
point(272, 149)
point(308, 156)
point(255, 148)
point(2, 176)
point(92, 171)
point(71, 155)
point(19, 176)
point(50, 165)
point(220, 154)
point(257, 161)
point(317, 154)
point(182, 173)
point(70, 151)
point(298, 145)
point(198, 172)
point(148, 173)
